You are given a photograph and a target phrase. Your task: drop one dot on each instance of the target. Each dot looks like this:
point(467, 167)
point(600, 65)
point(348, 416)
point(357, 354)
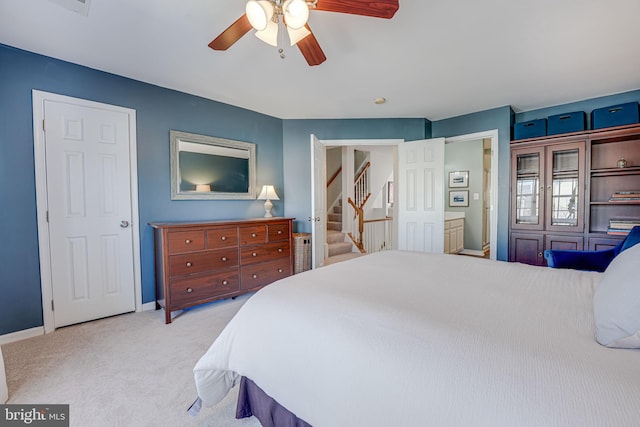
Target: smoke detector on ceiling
point(78, 6)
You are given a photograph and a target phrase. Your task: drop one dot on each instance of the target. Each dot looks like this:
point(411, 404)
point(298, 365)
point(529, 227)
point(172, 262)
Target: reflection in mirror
point(205, 167)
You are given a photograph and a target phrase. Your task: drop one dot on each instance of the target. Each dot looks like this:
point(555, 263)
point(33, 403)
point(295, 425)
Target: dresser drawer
point(256, 275)
point(253, 235)
point(185, 241)
point(278, 232)
point(189, 290)
point(222, 238)
point(198, 262)
point(266, 252)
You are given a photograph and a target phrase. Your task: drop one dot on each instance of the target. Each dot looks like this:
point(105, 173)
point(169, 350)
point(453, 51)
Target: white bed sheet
point(407, 339)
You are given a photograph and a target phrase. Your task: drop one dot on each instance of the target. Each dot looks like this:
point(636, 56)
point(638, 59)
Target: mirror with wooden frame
point(206, 167)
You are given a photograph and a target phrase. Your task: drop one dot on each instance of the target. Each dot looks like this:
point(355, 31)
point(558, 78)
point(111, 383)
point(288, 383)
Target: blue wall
point(158, 111)
point(498, 118)
point(297, 152)
point(283, 149)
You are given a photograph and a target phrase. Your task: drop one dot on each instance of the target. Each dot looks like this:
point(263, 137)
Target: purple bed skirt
point(253, 401)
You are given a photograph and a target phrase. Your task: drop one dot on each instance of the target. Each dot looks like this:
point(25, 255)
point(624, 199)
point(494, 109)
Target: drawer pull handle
point(254, 254)
point(189, 264)
point(223, 238)
point(279, 231)
point(253, 235)
point(189, 290)
point(224, 258)
point(255, 276)
point(224, 282)
point(188, 241)
point(279, 270)
point(280, 250)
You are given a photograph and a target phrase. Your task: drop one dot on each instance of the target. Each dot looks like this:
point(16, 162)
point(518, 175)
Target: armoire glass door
point(565, 187)
point(528, 185)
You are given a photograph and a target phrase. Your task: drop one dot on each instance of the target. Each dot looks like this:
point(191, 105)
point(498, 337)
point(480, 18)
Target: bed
point(402, 338)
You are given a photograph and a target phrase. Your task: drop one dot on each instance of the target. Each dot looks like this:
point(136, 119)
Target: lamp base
point(267, 209)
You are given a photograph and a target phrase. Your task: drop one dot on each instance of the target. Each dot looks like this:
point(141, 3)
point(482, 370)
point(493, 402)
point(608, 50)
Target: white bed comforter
point(412, 339)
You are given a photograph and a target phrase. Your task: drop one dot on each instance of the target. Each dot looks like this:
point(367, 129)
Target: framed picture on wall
point(458, 179)
point(459, 198)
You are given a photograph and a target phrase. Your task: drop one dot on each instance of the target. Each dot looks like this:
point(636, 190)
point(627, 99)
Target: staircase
point(339, 249)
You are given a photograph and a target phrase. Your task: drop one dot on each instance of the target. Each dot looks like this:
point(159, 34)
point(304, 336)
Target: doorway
point(490, 138)
point(481, 216)
point(86, 197)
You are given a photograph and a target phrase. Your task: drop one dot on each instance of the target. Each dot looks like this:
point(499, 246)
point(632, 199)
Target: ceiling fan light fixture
point(296, 35)
point(259, 13)
point(270, 34)
point(296, 13)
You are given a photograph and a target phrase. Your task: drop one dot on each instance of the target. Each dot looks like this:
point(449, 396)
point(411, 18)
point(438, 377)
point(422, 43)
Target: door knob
point(124, 223)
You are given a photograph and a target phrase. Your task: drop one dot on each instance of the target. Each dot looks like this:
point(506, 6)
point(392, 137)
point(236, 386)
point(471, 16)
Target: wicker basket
point(302, 252)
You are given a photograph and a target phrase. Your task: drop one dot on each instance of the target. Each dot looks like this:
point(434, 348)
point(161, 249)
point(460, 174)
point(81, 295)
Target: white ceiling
point(434, 59)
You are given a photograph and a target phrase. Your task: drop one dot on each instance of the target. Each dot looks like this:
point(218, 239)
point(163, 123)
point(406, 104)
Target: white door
point(420, 198)
point(318, 197)
point(89, 210)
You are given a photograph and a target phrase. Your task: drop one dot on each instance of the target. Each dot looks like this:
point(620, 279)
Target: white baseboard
point(149, 306)
point(472, 252)
point(21, 335)
point(37, 331)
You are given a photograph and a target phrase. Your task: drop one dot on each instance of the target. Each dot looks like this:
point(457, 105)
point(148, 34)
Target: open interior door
point(420, 186)
point(318, 201)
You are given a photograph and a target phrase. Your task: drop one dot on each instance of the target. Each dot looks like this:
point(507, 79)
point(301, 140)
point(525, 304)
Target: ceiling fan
point(267, 16)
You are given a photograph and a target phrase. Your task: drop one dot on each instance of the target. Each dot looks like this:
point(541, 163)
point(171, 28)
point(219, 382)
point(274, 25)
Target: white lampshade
point(296, 35)
point(203, 188)
point(259, 13)
point(296, 13)
point(268, 193)
point(270, 34)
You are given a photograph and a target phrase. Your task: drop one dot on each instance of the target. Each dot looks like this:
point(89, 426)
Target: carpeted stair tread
point(334, 236)
point(335, 217)
point(332, 225)
point(339, 248)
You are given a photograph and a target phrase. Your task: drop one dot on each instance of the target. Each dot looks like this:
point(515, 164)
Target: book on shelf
point(622, 226)
point(617, 232)
point(624, 199)
point(622, 192)
point(625, 195)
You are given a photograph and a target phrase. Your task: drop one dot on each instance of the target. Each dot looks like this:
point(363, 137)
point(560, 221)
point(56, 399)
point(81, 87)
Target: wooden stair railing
point(361, 186)
point(334, 176)
point(361, 194)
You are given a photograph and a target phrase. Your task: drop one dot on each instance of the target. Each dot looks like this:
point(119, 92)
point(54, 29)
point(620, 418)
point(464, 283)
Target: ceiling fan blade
point(232, 34)
point(377, 9)
point(311, 50)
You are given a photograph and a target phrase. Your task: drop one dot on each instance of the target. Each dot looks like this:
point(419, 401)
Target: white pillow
point(616, 302)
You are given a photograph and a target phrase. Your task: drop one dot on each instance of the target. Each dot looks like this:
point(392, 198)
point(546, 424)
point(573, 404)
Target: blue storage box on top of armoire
point(530, 129)
point(616, 115)
point(566, 123)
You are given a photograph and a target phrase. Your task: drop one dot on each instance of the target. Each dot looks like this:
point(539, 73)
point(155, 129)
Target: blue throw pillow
point(632, 239)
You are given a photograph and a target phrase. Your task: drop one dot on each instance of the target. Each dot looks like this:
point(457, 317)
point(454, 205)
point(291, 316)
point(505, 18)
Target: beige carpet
point(130, 370)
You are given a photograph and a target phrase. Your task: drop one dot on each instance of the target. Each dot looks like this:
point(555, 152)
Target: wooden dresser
point(199, 262)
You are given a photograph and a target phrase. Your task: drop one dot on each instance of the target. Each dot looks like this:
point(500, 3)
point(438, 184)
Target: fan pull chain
point(281, 39)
